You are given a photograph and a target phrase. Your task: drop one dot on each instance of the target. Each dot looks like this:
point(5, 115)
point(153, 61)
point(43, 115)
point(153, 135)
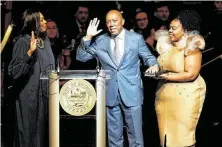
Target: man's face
point(114, 22)
point(176, 31)
point(42, 23)
point(218, 5)
point(141, 20)
point(163, 13)
point(51, 29)
point(82, 14)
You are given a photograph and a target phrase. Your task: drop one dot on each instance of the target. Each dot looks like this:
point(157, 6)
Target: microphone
point(73, 41)
point(58, 68)
point(71, 46)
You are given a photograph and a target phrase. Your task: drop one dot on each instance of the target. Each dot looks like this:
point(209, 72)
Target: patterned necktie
point(116, 51)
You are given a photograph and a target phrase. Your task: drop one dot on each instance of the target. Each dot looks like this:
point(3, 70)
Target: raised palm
point(33, 42)
point(92, 28)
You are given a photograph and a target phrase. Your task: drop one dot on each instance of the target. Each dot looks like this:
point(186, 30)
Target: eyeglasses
point(83, 12)
point(53, 28)
point(143, 19)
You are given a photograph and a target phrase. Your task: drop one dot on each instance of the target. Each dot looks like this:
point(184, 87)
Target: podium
point(54, 97)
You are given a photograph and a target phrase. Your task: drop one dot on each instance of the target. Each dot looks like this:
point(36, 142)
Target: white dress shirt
point(121, 38)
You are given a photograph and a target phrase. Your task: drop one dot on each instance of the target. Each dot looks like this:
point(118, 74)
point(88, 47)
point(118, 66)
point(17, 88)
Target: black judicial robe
point(30, 92)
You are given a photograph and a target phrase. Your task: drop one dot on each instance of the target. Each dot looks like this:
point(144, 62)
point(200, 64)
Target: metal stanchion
point(101, 111)
point(53, 109)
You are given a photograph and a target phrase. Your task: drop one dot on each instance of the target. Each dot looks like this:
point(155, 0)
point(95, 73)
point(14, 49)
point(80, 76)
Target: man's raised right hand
point(92, 28)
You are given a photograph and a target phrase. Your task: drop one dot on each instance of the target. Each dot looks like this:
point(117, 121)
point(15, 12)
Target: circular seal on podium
point(77, 97)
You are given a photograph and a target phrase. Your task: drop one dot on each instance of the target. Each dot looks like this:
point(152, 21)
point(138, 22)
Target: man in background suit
point(81, 21)
point(124, 89)
point(77, 30)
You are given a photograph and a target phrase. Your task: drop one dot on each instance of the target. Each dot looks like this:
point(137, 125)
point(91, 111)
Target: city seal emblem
point(77, 97)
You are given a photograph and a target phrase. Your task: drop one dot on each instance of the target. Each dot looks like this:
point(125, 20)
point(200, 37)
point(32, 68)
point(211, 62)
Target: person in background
point(141, 21)
point(78, 27)
point(143, 27)
point(149, 37)
point(162, 15)
point(32, 55)
point(59, 49)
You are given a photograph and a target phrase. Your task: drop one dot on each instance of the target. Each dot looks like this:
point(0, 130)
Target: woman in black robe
point(32, 55)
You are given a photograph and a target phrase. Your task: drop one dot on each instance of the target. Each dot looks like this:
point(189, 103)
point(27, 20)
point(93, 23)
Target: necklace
point(40, 43)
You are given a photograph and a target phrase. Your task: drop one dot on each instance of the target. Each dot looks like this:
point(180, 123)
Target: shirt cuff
point(85, 39)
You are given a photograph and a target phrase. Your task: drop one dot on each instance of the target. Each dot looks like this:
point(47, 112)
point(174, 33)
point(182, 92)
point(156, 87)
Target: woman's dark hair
point(30, 22)
point(190, 20)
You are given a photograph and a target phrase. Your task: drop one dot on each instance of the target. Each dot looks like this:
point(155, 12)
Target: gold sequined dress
point(178, 104)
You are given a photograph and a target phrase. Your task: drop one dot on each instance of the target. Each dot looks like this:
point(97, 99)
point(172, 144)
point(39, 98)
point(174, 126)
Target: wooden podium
point(100, 78)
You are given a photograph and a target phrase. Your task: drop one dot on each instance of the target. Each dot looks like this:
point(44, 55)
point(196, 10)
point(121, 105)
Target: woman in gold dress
point(181, 90)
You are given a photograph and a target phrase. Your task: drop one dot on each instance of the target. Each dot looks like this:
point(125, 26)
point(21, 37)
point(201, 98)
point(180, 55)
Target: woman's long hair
point(30, 22)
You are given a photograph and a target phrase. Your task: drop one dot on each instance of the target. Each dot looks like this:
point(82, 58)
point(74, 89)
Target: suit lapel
point(127, 42)
point(109, 50)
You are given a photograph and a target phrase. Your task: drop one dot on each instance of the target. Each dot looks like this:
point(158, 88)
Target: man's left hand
point(153, 69)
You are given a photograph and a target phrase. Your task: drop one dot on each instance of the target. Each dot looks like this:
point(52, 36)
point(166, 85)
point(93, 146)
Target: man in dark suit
point(81, 22)
point(162, 16)
point(119, 51)
point(77, 31)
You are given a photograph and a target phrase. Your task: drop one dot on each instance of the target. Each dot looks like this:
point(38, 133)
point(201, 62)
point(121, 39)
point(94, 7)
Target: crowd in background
point(67, 23)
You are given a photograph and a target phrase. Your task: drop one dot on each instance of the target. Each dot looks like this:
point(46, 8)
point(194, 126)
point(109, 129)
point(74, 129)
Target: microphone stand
point(69, 48)
point(97, 60)
point(58, 63)
point(97, 65)
point(58, 60)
